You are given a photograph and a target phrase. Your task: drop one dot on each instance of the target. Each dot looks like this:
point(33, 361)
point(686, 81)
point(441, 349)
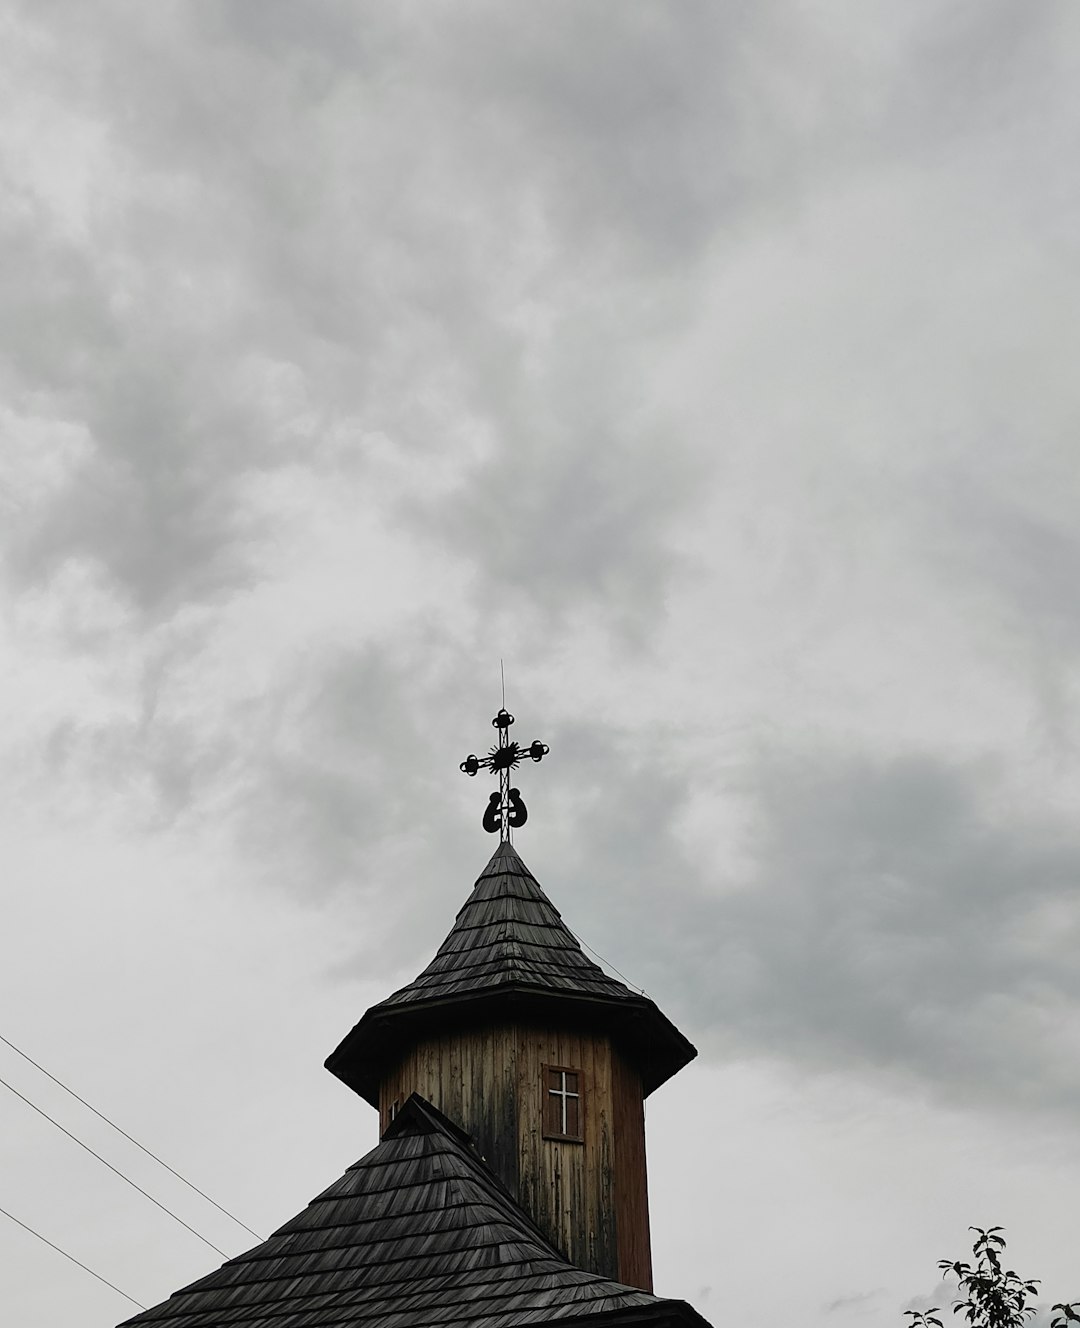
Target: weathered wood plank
point(589, 1198)
point(630, 1180)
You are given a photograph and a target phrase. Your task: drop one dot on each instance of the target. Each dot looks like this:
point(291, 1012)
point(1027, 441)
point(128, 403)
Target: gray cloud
point(857, 1300)
point(410, 273)
point(392, 284)
point(708, 362)
point(903, 913)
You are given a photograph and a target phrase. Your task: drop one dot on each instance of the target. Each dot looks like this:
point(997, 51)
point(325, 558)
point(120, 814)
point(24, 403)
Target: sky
point(712, 365)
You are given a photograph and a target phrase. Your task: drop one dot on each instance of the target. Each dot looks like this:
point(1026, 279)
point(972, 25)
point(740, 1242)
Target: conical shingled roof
point(509, 954)
point(418, 1232)
point(508, 933)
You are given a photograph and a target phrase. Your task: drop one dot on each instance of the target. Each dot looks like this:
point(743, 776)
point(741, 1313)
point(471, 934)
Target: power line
point(101, 1116)
point(606, 962)
point(73, 1259)
point(114, 1170)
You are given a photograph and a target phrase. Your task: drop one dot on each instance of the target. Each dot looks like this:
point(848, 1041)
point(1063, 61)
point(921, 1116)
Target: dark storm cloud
point(440, 220)
point(352, 770)
point(903, 913)
point(388, 267)
point(582, 519)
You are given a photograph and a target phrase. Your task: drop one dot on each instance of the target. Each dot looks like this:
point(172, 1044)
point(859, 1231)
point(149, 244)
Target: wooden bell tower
point(545, 1060)
point(540, 1056)
point(508, 1186)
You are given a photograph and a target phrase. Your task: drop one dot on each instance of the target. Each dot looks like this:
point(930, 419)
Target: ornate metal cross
point(505, 810)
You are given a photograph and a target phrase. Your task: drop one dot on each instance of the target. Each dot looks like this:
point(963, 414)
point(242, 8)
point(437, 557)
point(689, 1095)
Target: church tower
point(507, 1189)
point(535, 1052)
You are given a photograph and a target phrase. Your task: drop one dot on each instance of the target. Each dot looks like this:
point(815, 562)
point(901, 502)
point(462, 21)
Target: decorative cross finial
point(505, 809)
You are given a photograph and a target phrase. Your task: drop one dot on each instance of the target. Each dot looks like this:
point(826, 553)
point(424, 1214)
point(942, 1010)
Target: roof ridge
point(419, 1111)
point(418, 1108)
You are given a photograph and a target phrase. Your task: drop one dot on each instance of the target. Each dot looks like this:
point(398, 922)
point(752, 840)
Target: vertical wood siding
point(631, 1176)
point(589, 1198)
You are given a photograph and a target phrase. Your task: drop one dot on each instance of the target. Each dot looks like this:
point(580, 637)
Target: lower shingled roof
point(418, 1232)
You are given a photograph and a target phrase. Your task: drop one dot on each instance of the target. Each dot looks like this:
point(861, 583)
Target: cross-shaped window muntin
point(563, 1115)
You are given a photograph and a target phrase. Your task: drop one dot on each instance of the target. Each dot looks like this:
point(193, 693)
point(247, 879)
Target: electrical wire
point(75, 1261)
point(101, 1116)
point(606, 962)
point(115, 1170)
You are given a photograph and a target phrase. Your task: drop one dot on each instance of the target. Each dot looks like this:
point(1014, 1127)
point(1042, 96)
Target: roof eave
point(645, 1035)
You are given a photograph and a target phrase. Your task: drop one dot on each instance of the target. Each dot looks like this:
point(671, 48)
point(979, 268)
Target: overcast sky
point(711, 363)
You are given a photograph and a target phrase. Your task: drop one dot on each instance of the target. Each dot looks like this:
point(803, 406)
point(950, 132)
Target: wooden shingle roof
point(509, 933)
point(417, 1234)
point(509, 955)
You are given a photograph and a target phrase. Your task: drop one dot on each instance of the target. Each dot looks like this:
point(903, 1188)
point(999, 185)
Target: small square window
point(562, 1105)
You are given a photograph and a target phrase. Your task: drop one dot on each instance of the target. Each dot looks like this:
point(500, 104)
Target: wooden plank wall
point(589, 1198)
point(631, 1190)
point(566, 1186)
